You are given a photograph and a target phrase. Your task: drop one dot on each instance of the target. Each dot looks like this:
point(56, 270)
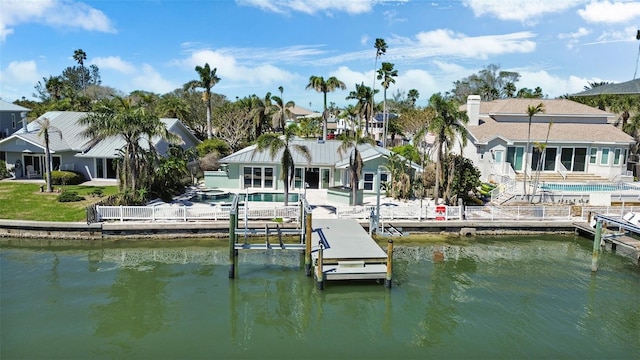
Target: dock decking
point(349, 252)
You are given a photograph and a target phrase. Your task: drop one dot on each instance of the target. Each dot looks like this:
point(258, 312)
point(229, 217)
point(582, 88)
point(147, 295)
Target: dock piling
point(387, 281)
point(320, 273)
point(232, 240)
point(307, 255)
point(596, 245)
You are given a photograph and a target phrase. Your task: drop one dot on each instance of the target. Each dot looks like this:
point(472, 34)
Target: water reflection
point(521, 297)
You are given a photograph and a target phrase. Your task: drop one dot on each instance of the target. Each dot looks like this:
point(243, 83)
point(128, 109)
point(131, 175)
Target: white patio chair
point(31, 172)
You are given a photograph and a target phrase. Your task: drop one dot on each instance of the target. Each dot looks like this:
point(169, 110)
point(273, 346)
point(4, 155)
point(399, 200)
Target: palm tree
point(80, 56)
point(45, 130)
point(386, 73)
point(447, 124)
point(542, 149)
point(319, 84)
point(355, 159)
point(274, 144)
point(413, 96)
point(531, 111)
point(208, 79)
point(173, 106)
point(364, 95)
point(282, 110)
point(381, 49)
point(133, 124)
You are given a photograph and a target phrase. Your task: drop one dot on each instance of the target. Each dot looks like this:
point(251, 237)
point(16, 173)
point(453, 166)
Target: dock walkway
point(349, 252)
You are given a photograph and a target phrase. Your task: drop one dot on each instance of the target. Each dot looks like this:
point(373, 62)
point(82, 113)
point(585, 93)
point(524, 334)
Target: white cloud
point(228, 68)
point(610, 12)
point(627, 34)
point(311, 6)
point(114, 63)
point(574, 37)
point(57, 13)
point(15, 77)
point(445, 42)
point(150, 80)
point(526, 11)
point(552, 86)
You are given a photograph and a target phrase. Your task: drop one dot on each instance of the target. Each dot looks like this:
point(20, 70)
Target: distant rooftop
point(7, 106)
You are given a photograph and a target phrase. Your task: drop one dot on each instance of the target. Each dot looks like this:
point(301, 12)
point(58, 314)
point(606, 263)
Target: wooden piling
point(307, 254)
point(320, 273)
point(387, 282)
point(232, 242)
point(596, 245)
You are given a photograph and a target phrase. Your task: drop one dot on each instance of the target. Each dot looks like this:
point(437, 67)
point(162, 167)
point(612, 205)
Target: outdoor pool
point(587, 188)
point(217, 196)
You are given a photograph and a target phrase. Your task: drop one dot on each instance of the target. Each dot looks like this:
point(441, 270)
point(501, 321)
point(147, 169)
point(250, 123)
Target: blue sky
point(259, 45)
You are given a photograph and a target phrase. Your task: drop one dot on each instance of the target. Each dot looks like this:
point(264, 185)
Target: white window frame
point(13, 121)
point(262, 177)
point(617, 152)
point(604, 159)
point(593, 156)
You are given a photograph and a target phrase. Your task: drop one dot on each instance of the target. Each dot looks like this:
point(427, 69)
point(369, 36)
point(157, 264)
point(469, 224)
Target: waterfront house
point(245, 169)
point(577, 139)
point(24, 150)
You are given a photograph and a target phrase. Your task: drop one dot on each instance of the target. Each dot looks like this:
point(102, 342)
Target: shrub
point(4, 173)
point(66, 178)
point(69, 196)
point(213, 145)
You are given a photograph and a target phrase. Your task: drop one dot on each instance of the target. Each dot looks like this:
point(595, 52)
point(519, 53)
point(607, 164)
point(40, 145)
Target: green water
point(494, 298)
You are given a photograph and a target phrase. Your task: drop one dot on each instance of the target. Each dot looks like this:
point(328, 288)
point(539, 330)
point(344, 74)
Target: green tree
point(208, 79)
point(350, 145)
point(133, 124)
point(462, 179)
point(365, 106)
point(319, 84)
point(80, 56)
point(282, 111)
point(413, 96)
point(531, 112)
point(490, 83)
point(172, 106)
point(448, 123)
point(387, 74)
point(381, 48)
point(45, 131)
point(275, 144)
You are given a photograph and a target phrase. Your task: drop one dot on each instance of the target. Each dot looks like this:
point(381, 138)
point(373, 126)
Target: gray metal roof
point(631, 87)
point(322, 154)
point(7, 106)
point(65, 123)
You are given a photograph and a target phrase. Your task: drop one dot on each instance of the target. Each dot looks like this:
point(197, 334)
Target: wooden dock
point(615, 235)
point(348, 253)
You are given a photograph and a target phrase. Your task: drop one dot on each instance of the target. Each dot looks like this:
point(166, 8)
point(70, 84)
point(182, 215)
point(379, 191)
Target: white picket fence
point(387, 213)
point(191, 213)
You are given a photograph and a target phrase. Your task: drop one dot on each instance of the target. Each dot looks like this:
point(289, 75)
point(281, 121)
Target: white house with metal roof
point(72, 151)
point(12, 118)
point(579, 139)
point(248, 169)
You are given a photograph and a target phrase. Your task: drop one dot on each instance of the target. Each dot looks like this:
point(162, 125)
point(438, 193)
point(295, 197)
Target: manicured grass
point(19, 201)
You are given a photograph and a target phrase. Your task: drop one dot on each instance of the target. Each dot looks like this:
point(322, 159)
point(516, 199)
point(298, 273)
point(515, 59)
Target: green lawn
point(19, 201)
